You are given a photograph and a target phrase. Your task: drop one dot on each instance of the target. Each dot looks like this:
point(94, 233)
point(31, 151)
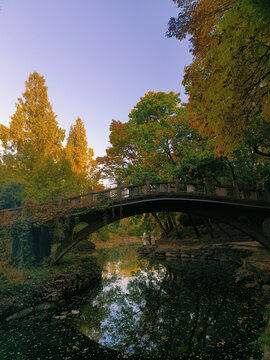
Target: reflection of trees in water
point(128, 264)
point(192, 312)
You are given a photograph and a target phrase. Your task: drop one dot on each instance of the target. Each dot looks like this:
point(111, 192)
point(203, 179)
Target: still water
point(171, 310)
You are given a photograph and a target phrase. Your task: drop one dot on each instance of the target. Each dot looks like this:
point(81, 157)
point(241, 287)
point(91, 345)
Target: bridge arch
point(225, 210)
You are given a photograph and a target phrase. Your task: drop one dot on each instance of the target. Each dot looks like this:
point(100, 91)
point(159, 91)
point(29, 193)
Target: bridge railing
point(121, 192)
point(224, 191)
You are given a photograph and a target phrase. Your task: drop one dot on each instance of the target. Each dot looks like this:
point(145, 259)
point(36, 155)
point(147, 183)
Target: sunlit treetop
point(33, 128)
point(77, 150)
point(198, 19)
point(154, 142)
point(228, 81)
point(155, 106)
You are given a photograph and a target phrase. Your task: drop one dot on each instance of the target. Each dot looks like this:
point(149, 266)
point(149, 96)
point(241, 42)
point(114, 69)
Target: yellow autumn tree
point(80, 157)
point(33, 153)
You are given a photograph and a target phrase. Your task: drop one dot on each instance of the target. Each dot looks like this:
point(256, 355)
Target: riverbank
point(38, 310)
point(47, 287)
point(252, 260)
point(123, 240)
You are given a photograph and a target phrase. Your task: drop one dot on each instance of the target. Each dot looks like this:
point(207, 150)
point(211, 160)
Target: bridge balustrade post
point(147, 181)
point(236, 190)
point(119, 190)
point(133, 191)
point(90, 195)
point(75, 201)
point(190, 188)
point(59, 200)
point(163, 188)
point(266, 192)
point(176, 181)
point(206, 185)
point(221, 191)
point(253, 195)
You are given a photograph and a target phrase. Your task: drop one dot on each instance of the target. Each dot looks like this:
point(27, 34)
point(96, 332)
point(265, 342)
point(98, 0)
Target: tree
point(157, 143)
point(33, 129)
point(80, 155)
point(228, 81)
point(33, 151)
point(198, 19)
point(229, 88)
point(11, 195)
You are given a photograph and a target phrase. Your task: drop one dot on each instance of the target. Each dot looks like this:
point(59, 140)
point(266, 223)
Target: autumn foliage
point(228, 80)
point(33, 151)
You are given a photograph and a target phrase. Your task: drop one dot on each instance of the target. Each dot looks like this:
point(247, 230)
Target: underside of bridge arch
point(229, 212)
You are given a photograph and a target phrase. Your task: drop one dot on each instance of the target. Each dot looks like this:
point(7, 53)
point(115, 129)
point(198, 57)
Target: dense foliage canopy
point(156, 142)
point(228, 80)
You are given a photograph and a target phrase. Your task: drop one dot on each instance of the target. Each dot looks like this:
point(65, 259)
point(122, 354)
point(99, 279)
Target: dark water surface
point(174, 310)
point(171, 310)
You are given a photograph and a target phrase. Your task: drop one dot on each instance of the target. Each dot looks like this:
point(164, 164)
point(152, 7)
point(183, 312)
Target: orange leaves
point(4, 134)
point(7, 218)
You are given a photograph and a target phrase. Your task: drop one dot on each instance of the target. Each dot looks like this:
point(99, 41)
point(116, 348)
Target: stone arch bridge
point(244, 209)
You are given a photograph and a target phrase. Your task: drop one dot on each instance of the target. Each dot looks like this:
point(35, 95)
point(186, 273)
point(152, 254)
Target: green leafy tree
point(11, 195)
point(158, 143)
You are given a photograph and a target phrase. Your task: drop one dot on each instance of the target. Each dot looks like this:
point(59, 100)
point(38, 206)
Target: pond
point(173, 309)
point(145, 310)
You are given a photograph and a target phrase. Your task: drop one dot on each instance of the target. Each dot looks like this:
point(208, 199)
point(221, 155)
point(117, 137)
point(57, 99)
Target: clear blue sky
point(98, 57)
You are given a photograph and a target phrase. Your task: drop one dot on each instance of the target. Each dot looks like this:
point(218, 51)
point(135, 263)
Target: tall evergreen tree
point(33, 152)
point(80, 155)
point(34, 130)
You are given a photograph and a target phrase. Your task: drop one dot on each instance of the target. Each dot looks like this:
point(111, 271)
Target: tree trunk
point(209, 228)
point(175, 226)
point(79, 236)
point(159, 223)
point(194, 226)
point(170, 223)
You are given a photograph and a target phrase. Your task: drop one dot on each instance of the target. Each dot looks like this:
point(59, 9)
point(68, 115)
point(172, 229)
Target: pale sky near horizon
point(98, 58)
